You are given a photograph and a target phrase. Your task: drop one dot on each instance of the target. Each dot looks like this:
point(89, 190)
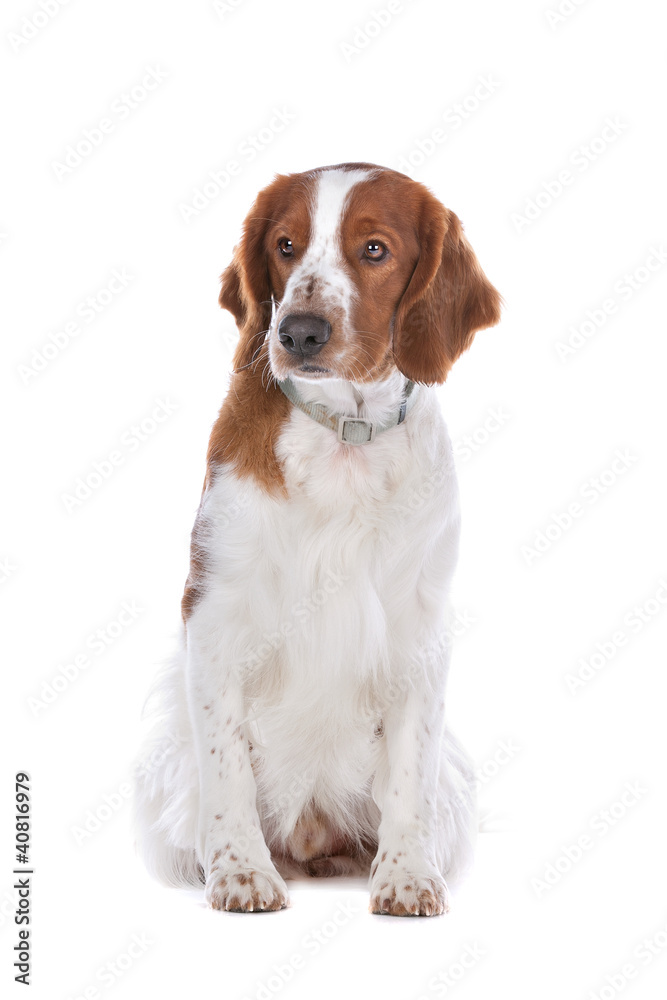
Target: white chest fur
point(322, 573)
point(324, 595)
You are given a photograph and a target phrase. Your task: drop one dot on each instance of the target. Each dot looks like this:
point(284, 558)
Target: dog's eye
point(285, 246)
point(374, 250)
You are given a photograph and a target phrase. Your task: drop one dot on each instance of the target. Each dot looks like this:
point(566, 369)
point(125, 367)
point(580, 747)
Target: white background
point(66, 574)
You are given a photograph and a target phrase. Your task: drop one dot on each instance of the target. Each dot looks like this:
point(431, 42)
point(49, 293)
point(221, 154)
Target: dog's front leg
point(405, 880)
point(236, 861)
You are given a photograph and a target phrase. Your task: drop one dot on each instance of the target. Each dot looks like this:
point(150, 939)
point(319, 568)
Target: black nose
point(303, 334)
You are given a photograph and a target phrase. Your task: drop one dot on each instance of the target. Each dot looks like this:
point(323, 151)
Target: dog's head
point(352, 271)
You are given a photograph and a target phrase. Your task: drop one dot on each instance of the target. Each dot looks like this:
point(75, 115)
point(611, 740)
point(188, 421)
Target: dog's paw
point(244, 890)
point(402, 891)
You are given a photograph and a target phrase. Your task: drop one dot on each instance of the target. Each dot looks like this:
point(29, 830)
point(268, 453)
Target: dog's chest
point(312, 584)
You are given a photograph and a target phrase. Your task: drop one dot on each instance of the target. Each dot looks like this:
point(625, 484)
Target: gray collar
point(350, 430)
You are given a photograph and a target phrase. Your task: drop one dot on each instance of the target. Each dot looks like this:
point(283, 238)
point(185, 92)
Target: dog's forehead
point(360, 204)
point(363, 199)
point(310, 207)
point(330, 200)
point(320, 207)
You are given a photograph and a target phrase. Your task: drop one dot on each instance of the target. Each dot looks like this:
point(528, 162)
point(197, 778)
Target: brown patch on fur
point(194, 583)
point(248, 425)
point(382, 208)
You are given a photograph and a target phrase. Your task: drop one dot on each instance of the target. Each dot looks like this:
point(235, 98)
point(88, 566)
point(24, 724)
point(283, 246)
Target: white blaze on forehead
point(333, 189)
point(323, 259)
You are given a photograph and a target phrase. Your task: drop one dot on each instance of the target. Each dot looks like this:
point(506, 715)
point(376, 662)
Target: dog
point(302, 722)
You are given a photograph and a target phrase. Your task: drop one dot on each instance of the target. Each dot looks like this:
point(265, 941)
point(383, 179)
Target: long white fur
point(324, 615)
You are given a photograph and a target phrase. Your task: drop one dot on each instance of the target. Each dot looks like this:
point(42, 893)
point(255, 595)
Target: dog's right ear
point(246, 290)
point(230, 292)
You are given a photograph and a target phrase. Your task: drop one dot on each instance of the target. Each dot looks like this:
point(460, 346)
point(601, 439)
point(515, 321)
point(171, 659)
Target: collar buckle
point(351, 430)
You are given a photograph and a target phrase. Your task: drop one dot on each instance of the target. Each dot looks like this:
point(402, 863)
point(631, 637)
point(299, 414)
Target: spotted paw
point(401, 892)
point(245, 890)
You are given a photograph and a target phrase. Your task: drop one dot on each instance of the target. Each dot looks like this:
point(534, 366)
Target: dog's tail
point(166, 795)
point(457, 810)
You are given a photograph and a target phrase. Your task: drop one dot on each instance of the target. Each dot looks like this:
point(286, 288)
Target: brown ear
point(447, 300)
point(246, 290)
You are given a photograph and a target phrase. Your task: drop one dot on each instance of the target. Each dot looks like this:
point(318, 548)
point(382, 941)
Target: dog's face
point(351, 272)
point(339, 264)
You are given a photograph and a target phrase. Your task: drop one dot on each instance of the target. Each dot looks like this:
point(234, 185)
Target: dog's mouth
point(313, 370)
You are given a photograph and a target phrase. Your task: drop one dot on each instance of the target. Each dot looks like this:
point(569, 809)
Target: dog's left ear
point(447, 300)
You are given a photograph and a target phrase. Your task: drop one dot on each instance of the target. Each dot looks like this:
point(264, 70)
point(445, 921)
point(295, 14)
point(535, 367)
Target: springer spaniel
point(303, 721)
